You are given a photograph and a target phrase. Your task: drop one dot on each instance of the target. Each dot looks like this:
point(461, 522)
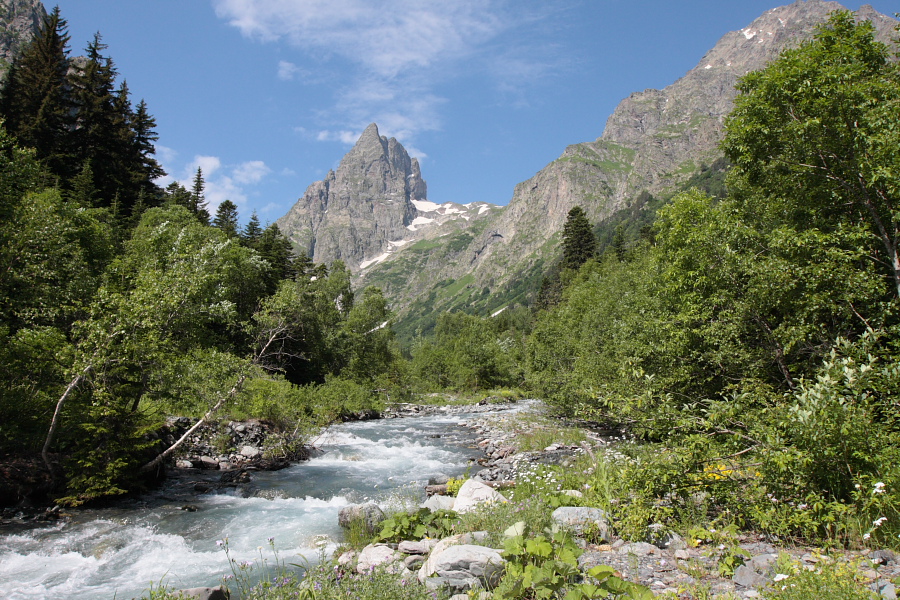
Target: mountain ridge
point(654, 141)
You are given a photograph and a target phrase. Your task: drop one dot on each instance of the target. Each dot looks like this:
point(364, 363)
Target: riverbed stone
point(473, 494)
point(250, 451)
point(417, 547)
point(582, 519)
point(465, 561)
point(206, 593)
point(369, 513)
point(208, 462)
point(436, 503)
point(438, 479)
point(375, 555)
point(184, 464)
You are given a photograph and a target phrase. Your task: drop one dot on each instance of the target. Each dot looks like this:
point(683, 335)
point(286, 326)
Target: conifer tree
point(198, 205)
point(34, 103)
point(227, 218)
point(252, 231)
point(579, 243)
point(100, 126)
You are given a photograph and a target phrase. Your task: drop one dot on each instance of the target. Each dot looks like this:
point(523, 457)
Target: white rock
point(436, 503)
point(472, 494)
point(375, 555)
point(250, 451)
point(464, 561)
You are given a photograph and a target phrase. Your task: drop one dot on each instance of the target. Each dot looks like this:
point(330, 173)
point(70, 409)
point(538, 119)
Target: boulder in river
point(370, 514)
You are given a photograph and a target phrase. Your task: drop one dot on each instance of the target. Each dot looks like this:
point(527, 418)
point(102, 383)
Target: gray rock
point(250, 451)
point(473, 494)
point(465, 562)
point(582, 519)
point(208, 462)
point(747, 577)
point(436, 503)
point(438, 479)
point(763, 564)
point(420, 547)
point(184, 464)
point(414, 562)
point(375, 555)
point(370, 514)
point(206, 593)
point(886, 590)
point(638, 549)
point(883, 557)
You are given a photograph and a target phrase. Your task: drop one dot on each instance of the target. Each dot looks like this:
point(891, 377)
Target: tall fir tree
point(227, 218)
point(35, 103)
point(252, 231)
point(198, 205)
point(579, 243)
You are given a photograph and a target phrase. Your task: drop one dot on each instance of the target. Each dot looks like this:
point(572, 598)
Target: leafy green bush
point(422, 523)
point(541, 567)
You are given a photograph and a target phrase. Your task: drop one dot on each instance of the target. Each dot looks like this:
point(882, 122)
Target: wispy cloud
point(398, 53)
point(222, 182)
point(287, 70)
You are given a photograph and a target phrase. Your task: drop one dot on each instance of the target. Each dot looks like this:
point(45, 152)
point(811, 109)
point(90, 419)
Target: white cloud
point(207, 164)
point(287, 70)
point(398, 52)
point(386, 36)
point(251, 172)
point(223, 182)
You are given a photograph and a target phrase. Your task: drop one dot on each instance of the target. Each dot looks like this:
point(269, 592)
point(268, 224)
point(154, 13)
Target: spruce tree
point(227, 218)
point(252, 232)
point(34, 103)
point(198, 204)
point(579, 243)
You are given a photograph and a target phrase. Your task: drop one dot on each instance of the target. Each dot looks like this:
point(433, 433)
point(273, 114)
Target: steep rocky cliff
point(374, 204)
point(655, 140)
point(19, 20)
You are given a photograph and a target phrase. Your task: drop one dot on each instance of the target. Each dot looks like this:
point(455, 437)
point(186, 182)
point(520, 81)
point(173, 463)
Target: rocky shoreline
point(667, 565)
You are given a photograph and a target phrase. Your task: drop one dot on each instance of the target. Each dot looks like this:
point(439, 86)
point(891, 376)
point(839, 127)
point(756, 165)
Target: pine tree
point(198, 205)
point(144, 167)
point(83, 192)
point(34, 103)
point(227, 218)
point(101, 127)
point(252, 232)
point(277, 250)
point(579, 243)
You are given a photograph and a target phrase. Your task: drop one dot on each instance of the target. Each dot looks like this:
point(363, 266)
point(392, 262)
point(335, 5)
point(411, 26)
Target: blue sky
point(268, 95)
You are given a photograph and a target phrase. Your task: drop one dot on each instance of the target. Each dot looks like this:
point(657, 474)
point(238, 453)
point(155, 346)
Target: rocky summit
point(374, 204)
point(19, 20)
point(372, 213)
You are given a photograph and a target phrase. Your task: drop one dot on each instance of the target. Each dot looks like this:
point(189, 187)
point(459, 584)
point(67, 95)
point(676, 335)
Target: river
point(171, 536)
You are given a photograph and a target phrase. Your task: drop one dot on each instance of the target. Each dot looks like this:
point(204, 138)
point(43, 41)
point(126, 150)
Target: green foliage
point(541, 567)
point(417, 525)
point(578, 241)
point(830, 580)
point(467, 353)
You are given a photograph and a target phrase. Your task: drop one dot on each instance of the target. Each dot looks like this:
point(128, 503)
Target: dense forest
point(747, 331)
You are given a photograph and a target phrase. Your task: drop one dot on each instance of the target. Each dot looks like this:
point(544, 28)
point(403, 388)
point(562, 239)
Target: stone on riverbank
point(582, 520)
point(474, 493)
point(370, 514)
point(206, 593)
point(465, 562)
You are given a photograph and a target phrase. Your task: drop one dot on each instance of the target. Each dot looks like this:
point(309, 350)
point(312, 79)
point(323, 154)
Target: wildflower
point(878, 522)
point(879, 488)
point(780, 577)
point(220, 543)
point(271, 540)
point(866, 536)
